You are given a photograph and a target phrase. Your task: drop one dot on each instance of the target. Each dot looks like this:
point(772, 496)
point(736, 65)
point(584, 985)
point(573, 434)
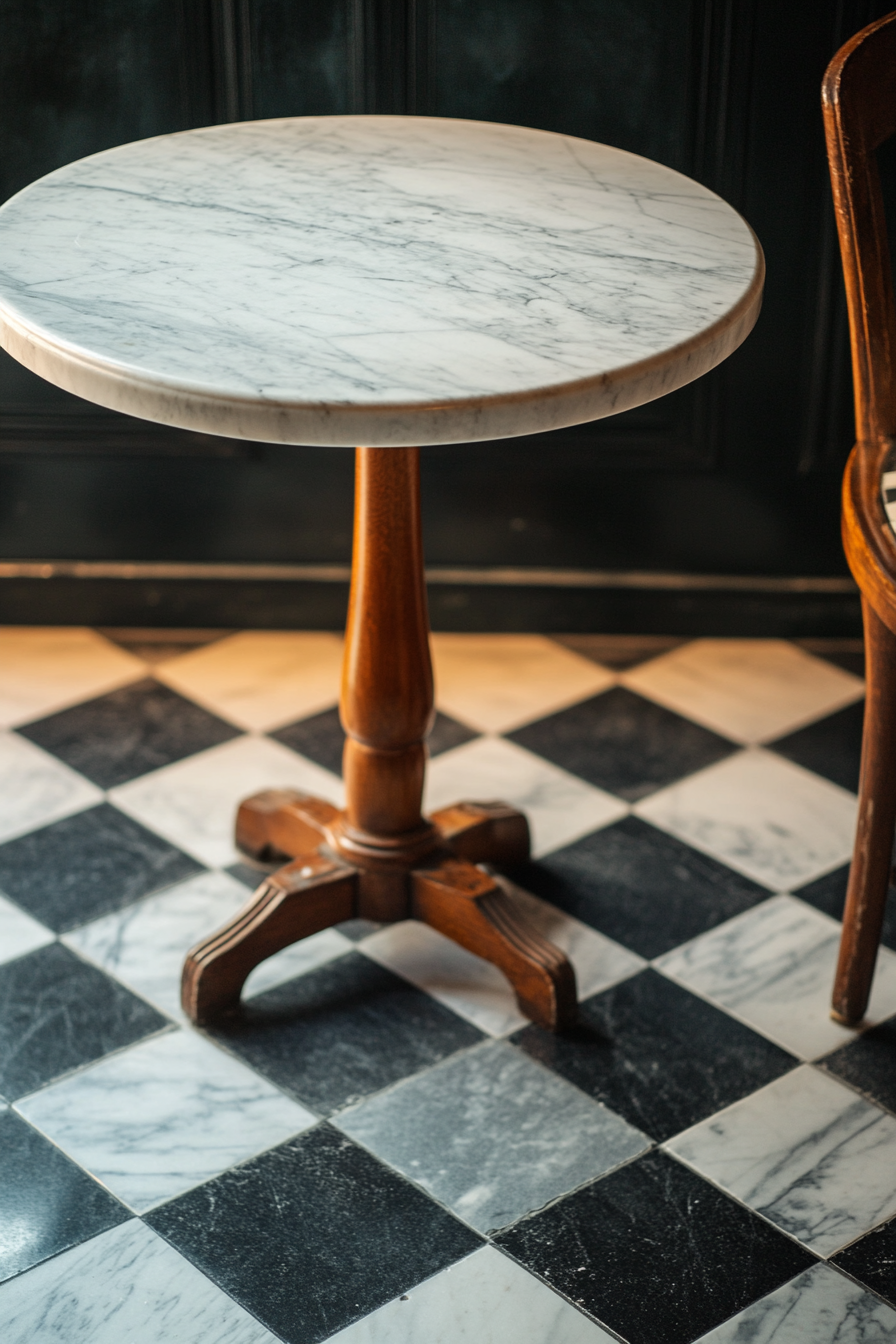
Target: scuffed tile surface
point(809, 1155)
point(126, 1284)
point(154, 1121)
point(491, 1136)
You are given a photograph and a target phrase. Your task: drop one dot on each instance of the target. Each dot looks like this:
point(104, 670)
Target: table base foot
point(317, 887)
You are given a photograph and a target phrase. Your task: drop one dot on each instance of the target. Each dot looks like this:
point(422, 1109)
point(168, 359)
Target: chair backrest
point(859, 101)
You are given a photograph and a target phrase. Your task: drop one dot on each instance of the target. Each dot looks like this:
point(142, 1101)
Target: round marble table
point(391, 282)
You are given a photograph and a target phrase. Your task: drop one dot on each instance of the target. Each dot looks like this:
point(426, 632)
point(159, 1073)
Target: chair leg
point(869, 876)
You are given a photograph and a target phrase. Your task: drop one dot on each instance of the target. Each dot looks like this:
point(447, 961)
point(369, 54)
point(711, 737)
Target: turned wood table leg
point(380, 858)
point(386, 704)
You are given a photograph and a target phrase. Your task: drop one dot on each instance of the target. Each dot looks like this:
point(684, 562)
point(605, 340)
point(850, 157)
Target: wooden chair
point(859, 100)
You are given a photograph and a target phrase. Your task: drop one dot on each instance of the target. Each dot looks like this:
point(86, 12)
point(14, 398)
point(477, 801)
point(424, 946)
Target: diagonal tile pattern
point(762, 816)
point(128, 733)
point(125, 1284)
point(45, 668)
point(692, 809)
point(659, 1255)
point(773, 967)
point(817, 1305)
point(153, 1121)
point(85, 865)
point(809, 1155)
point(495, 683)
point(260, 679)
point(492, 1135)
point(750, 690)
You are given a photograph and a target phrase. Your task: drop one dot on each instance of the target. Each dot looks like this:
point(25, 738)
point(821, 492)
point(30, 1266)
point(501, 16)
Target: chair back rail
point(859, 102)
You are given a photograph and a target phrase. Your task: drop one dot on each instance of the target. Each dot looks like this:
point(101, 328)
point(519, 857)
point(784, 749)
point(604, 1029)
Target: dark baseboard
point(515, 607)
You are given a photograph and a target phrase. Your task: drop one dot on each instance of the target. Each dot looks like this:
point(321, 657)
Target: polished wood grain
point(468, 905)
point(859, 103)
point(380, 858)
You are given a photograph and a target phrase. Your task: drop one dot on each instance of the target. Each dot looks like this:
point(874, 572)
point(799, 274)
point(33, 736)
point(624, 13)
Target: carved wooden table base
point(319, 888)
point(381, 859)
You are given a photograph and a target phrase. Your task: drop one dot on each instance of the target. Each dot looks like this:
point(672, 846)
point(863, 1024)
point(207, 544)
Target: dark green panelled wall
point(737, 474)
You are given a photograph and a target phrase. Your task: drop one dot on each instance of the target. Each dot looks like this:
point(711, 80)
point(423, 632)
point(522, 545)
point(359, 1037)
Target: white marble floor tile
point(127, 1286)
point(19, 933)
point(771, 820)
point(466, 984)
point(145, 944)
point(492, 1134)
point(560, 807)
point(193, 802)
point(475, 989)
point(36, 788)
point(261, 679)
point(163, 1116)
point(750, 690)
point(818, 1307)
point(45, 668)
point(499, 682)
point(807, 1153)
point(773, 967)
point(484, 1299)
point(297, 959)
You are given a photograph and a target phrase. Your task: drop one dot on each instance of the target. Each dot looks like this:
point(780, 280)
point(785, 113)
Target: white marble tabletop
point(377, 280)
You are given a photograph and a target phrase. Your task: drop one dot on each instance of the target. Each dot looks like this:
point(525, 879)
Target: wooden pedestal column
point(380, 858)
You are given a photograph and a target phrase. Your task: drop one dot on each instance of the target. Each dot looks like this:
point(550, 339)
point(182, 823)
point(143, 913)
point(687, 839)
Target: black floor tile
point(46, 1203)
point(832, 747)
point(869, 1064)
point(640, 886)
point(250, 876)
point(620, 651)
point(356, 930)
point(623, 743)
point(161, 645)
point(344, 1031)
point(828, 893)
point(447, 733)
point(321, 738)
point(129, 732)
point(313, 1235)
point(846, 653)
point(657, 1055)
point(87, 865)
point(873, 1260)
point(57, 1013)
point(655, 1252)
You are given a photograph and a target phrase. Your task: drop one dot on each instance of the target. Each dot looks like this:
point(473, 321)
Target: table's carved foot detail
point(484, 832)
point(278, 824)
point(469, 906)
point(311, 893)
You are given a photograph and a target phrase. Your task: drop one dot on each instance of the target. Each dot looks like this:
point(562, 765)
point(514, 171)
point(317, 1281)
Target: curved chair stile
point(859, 103)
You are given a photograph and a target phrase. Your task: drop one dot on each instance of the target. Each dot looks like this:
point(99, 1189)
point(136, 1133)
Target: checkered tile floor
point(383, 1151)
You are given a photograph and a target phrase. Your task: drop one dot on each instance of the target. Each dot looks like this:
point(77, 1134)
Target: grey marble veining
point(484, 1299)
point(807, 1153)
point(155, 1120)
point(127, 1284)
point(818, 1307)
point(773, 967)
point(384, 280)
point(492, 1134)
